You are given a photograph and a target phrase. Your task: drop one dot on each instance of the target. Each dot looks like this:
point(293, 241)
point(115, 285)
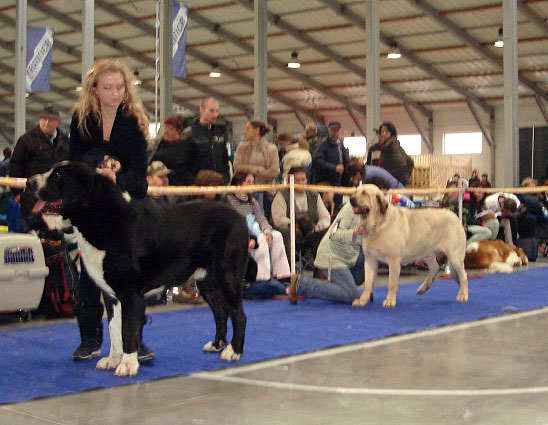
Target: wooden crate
point(434, 171)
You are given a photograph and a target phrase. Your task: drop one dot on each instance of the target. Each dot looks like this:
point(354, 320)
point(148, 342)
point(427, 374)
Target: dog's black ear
point(383, 203)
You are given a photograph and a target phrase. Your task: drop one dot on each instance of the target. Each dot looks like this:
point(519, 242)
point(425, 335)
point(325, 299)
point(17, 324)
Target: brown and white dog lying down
point(495, 256)
point(398, 236)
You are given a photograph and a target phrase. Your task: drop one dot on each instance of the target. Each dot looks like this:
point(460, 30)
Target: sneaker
point(144, 354)
point(87, 351)
point(292, 290)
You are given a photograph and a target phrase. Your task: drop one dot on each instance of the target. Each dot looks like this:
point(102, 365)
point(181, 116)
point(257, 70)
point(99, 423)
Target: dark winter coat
point(392, 158)
point(127, 143)
point(327, 155)
point(34, 153)
point(175, 157)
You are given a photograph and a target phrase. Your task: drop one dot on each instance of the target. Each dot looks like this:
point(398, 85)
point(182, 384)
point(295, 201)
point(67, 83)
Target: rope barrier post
point(463, 184)
point(292, 219)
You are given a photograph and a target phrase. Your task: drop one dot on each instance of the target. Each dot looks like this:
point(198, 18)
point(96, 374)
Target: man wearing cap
point(157, 175)
point(329, 159)
point(35, 152)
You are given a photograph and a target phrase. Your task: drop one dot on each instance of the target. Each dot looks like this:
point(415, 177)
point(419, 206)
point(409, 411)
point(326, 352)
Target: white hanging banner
point(180, 20)
point(39, 52)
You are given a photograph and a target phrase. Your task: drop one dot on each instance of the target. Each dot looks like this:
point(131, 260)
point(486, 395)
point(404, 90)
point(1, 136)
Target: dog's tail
point(499, 267)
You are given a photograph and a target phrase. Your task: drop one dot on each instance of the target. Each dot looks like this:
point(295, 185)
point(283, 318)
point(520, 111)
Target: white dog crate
point(22, 272)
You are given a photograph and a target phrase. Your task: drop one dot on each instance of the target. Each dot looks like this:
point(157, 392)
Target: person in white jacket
point(504, 205)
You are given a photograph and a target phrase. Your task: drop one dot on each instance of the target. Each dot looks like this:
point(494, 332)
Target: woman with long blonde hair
point(108, 130)
point(109, 122)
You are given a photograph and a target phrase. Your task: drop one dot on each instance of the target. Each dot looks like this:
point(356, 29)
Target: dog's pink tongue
point(38, 207)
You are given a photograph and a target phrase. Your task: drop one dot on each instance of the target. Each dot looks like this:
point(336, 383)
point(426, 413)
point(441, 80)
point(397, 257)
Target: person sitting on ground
point(297, 155)
point(484, 213)
point(270, 256)
point(339, 259)
point(505, 206)
point(311, 217)
point(475, 232)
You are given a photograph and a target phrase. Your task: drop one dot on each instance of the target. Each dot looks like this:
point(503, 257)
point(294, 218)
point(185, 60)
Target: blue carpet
point(36, 361)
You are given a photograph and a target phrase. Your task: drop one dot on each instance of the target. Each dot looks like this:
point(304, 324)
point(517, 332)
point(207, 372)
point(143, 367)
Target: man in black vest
point(311, 217)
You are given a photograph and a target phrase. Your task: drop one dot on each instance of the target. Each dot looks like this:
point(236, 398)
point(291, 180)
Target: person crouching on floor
point(270, 254)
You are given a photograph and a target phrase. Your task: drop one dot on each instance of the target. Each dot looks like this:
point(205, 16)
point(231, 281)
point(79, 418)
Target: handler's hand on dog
point(268, 237)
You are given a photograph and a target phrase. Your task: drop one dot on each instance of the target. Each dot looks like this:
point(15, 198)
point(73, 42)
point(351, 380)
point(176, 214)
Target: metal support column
point(511, 141)
point(20, 68)
point(493, 148)
point(166, 59)
point(260, 59)
point(431, 132)
point(372, 78)
point(88, 36)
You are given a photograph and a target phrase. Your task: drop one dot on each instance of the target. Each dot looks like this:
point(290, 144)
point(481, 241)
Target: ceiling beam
point(331, 54)
point(542, 108)
point(135, 54)
point(280, 65)
point(357, 20)
point(533, 16)
point(474, 44)
point(150, 30)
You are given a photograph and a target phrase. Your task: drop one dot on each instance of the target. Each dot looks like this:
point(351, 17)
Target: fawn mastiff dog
point(396, 236)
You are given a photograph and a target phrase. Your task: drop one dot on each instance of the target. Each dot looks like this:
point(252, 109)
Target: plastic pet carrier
point(22, 272)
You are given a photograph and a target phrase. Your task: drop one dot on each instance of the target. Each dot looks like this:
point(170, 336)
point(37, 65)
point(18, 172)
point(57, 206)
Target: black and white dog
point(131, 247)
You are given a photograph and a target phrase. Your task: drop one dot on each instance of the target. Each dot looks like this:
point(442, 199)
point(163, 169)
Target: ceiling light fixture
point(500, 42)
point(294, 62)
point(394, 52)
point(215, 72)
point(137, 81)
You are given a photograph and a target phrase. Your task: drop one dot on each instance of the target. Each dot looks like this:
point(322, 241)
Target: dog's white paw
point(128, 366)
point(109, 363)
point(389, 302)
point(210, 348)
point(462, 297)
point(359, 302)
point(228, 354)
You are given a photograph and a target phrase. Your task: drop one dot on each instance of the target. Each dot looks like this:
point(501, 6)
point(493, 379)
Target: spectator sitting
point(311, 216)
point(535, 208)
point(474, 177)
point(157, 175)
point(173, 151)
point(505, 206)
point(484, 182)
point(209, 178)
point(296, 155)
point(475, 232)
point(270, 256)
point(487, 216)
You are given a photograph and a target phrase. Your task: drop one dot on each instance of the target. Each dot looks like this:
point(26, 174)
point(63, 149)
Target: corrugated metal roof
point(401, 20)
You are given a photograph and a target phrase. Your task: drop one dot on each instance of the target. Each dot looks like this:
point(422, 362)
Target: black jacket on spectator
point(175, 157)
point(127, 143)
point(327, 155)
point(34, 153)
point(207, 150)
point(393, 159)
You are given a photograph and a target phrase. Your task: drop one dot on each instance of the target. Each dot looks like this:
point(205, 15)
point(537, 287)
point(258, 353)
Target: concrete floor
point(492, 371)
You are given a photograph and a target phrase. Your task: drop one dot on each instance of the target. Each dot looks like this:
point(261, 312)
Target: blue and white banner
point(180, 19)
point(39, 52)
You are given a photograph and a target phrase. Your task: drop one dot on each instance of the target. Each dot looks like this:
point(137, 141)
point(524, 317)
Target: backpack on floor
point(58, 298)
